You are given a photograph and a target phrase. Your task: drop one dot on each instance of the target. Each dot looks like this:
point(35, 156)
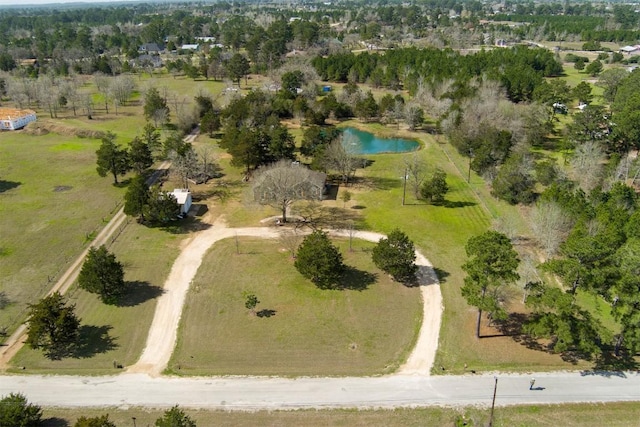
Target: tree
point(161, 207)
point(435, 188)
point(416, 171)
point(15, 411)
point(250, 302)
point(153, 103)
point(582, 92)
point(626, 294)
point(396, 255)
point(111, 158)
point(557, 317)
point(100, 421)
point(345, 197)
point(140, 157)
point(53, 326)
point(136, 198)
point(237, 67)
point(102, 274)
point(492, 264)
point(550, 224)
point(319, 260)
point(121, 89)
point(175, 417)
point(587, 165)
point(610, 80)
point(414, 116)
point(283, 183)
point(594, 68)
point(367, 108)
point(151, 137)
point(514, 183)
point(336, 157)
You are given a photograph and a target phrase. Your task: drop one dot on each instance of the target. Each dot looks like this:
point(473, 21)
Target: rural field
point(439, 231)
point(48, 209)
point(587, 415)
point(52, 204)
point(365, 329)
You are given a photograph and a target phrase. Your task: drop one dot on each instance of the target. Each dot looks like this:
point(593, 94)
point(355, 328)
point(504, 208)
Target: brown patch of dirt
point(59, 188)
point(43, 128)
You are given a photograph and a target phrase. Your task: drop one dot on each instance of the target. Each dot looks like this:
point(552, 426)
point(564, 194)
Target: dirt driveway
point(162, 336)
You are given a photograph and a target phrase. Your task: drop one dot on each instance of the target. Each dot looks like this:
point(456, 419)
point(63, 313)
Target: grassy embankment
point(586, 415)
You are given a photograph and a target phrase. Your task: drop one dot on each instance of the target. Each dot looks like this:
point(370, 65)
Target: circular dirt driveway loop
point(163, 332)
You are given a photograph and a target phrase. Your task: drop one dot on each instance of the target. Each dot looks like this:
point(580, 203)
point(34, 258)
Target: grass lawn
point(588, 415)
point(52, 202)
point(441, 232)
point(302, 330)
point(111, 333)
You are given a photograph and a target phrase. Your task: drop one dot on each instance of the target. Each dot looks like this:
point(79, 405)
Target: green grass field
point(587, 415)
point(117, 333)
point(52, 202)
point(299, 329)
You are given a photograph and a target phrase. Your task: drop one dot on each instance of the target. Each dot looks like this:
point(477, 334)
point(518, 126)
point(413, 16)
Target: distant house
point(184, 199)
point(150, 48)
point(12, 119)
point(630, 50)
point(189, 47)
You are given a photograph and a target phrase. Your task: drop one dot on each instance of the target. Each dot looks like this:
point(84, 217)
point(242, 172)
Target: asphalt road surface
point(250, 393)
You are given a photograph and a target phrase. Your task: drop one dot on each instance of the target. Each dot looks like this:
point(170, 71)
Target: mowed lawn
point(441, 232)
point(299, 329)
point(585, 415)
point(52, 202)
point(116, 333)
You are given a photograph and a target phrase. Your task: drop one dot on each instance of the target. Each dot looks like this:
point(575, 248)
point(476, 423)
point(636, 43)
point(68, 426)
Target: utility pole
point(404, 187)
point(493, 402)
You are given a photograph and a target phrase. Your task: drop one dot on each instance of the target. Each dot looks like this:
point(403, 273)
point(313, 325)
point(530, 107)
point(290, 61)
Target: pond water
point(360, 142)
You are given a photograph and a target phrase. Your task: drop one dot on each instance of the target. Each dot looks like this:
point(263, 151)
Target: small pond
point(360, 142)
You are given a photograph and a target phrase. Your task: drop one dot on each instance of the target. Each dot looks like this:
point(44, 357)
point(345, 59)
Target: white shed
point(183, 196)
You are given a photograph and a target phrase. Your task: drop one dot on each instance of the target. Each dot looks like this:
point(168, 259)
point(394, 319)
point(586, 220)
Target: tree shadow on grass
point(609, 362)
point(54, 422)
point(139, 292)
point(379, 183)
point(457, 204)
point(122, 184)
point(93, 340)
point(356, 280)
point(8, 185)
point(185, 226)
point(267, 312)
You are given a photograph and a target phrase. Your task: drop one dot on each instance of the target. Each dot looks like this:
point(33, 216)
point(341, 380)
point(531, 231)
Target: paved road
point(239, 393)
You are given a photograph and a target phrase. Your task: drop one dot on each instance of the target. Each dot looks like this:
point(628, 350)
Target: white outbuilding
point(183, 197)
point(12, 119)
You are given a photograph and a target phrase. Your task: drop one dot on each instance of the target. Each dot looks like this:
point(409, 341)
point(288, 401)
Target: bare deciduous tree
point(587, 162)
point(284, 182)
point(122, 88)
point(103, 84)
point(340, 159)
point(416, 170)
point(291, 239)
point(550, 225)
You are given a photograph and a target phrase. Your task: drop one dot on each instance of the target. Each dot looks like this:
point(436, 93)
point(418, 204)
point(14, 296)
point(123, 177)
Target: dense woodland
point(498, 107)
